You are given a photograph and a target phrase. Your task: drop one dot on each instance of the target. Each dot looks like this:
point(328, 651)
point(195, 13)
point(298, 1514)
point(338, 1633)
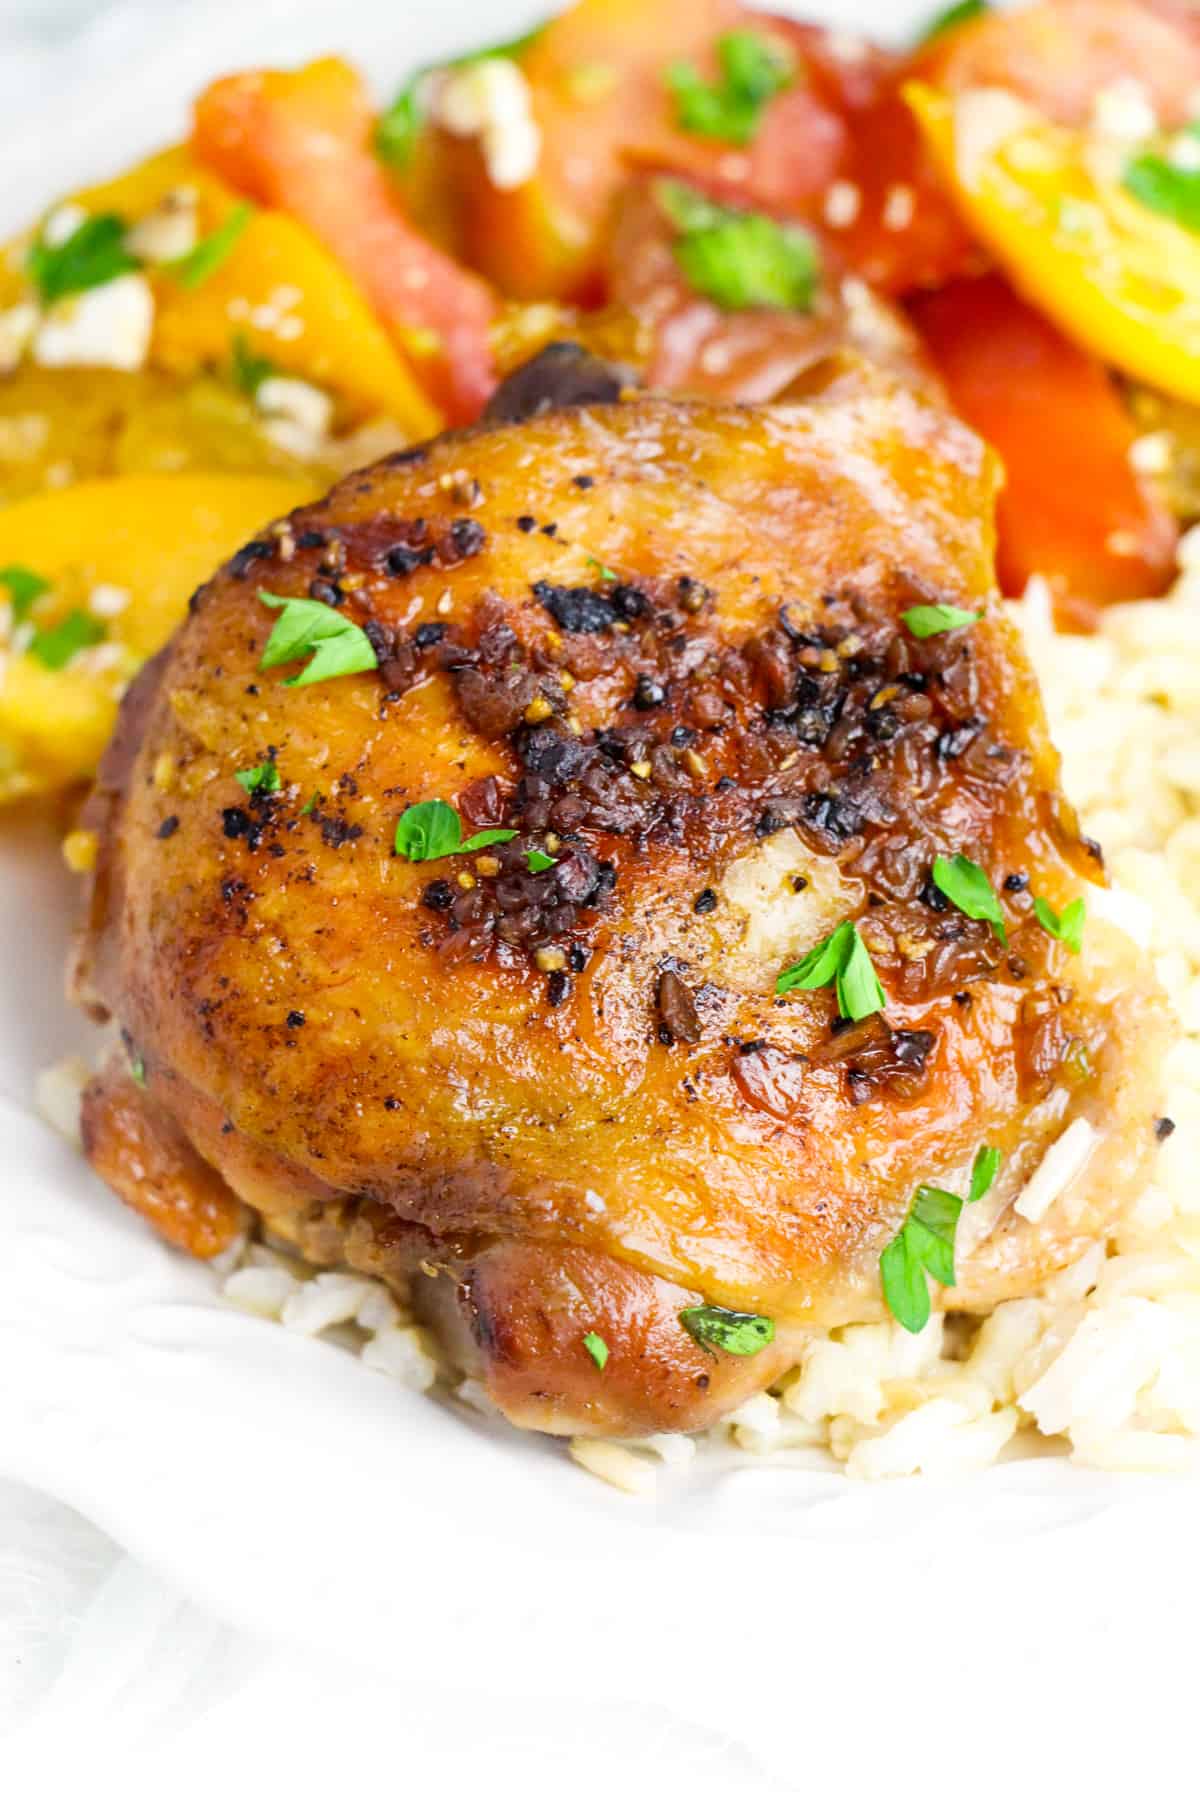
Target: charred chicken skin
point(548, 1085)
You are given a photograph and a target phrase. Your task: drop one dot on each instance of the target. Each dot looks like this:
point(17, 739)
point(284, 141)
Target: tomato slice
point(1060, 54)
point(1073, 509)
point(301, 142)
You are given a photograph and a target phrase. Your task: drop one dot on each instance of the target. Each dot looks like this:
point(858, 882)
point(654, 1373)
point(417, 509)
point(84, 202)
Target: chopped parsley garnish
point(1066, 926)
point(596, 1348)
point(262, 780)
point(24, 586)
point(753, 71)
point(842, 961)
point(431, 829)
point(739, 259)
point(95, 253)
point(931, 621)
point(55, 646)
point(960, 14)
point(984, 1170)
point(249, 370)
point(1163, 188)
point(603, 570)
point(192, 270)
point(137, 1068)
point(537, 860)
point(924, 1245)
point(310, 628)
point(717, 1328)
point(966, 886)
point(400, 125)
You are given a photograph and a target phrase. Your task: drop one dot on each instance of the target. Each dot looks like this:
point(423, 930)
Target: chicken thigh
point(546, 1084)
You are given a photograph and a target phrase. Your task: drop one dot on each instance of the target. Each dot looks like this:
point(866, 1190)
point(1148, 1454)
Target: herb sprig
point(24, 586)
point(719, 1328)
point(739, 259)
point(966, 886)
point(248, 369)
point(1066, 926)
point(753, 71)
point(924, 1244)
point(1166, 188)
point(431, 829)
point(58, 644)
point(841, 961)
point(264, 779)
point(931, 621)
point(94, 254)
point(310, 628)
point(193, 270)
point(961, 13)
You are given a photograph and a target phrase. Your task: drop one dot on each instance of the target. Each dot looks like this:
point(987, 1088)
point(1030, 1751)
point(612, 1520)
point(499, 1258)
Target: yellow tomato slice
point(1049, 204)
point(151, 538)
point(279, 290)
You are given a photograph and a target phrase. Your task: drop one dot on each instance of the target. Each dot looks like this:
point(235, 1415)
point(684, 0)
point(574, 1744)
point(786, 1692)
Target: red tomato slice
point(1073, 509)
point(301, 142)
point(1060, 54)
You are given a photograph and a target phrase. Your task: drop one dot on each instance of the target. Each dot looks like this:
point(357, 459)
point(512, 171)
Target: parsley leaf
point(431, 829)
point(249, 370)
point(95, 253)
point(482, 839)
point(137, 1068)
point(24, 586)
point(308, 627)
point(603, 570)
point(717, 1328)
point(924, 1244)
point(596, 1348)
point(55, 647)
point(537, 860)
point(843, 961)
point(905, 1288)
point(1066, 926)
point(1163, 188)
point(262, 780)
point(740, 259)
point(753, 71)
point(192, 270)
point(401, 124)
point(966, 885)
point(931, 621)
point(983, 1172)
point(959, 14)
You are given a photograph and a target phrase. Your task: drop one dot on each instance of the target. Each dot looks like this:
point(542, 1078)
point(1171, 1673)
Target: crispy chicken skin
point(661, 642)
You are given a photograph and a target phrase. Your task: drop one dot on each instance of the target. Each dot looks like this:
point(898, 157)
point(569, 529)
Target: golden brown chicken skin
point(662, 643)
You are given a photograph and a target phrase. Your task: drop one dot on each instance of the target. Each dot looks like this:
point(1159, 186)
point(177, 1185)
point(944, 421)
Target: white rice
point(1105, 1359)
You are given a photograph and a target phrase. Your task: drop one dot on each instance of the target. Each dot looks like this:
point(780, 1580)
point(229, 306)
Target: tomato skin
point(840, 120)
point(302, 142)
point(1060, 53)
point(1072, 509)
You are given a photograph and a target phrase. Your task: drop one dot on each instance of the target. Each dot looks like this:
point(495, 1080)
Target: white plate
point(291, 1491)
